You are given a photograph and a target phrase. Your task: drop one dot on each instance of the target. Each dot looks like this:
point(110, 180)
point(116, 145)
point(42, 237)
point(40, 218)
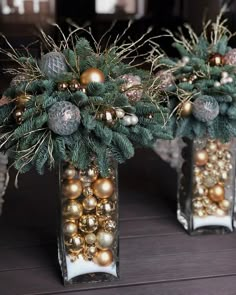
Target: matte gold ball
point(90, 239)
point(89, 203)
point(224, 205)
point(92, 75)
point(75, 243)
point(71, 188)
point(88, 223)
point(72, 209)
point(105, 208)
point(201, 158)
point(186, 109)
point(103, 188)
point(104, 240)
point(216, 193)
point(103, 257)
point(70, 228)
point(89, 175)
point(69, 172)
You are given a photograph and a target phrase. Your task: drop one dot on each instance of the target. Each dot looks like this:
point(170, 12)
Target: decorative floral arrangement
point(201, 84)
point(77, 103)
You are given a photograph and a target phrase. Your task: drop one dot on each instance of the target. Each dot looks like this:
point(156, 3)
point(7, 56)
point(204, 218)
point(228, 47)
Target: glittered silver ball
point(63, 118)
point(165, 79)
point(132, 87)
point(53, 64)
point(230, 57)
point(205, 108)
point(18, 79)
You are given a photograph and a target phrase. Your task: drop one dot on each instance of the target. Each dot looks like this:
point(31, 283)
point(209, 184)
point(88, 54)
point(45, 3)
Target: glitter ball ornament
point(105, 208)
point(53, 64)
point(63, 118)
point(88, 223)
point(205, 108)
point(230, 57)
point(165, 78)
point(132, 87)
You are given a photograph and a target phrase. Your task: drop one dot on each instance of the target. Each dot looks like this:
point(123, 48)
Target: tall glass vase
point(206, 189)
point(88, 239)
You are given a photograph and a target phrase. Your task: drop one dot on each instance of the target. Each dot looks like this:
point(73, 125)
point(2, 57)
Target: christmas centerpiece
point(84, 110)
point(202, 102)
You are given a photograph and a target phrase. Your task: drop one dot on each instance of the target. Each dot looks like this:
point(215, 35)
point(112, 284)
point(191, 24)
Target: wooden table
point(156, 255)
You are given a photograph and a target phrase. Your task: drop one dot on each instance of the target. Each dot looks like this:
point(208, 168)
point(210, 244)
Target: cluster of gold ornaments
point(89, 214)
point(21, 100)
point(211, 174)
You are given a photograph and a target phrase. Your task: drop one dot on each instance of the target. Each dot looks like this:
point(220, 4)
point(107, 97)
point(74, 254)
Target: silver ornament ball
point(132, 87)
point(127, 120)
point(120, 113)
point(205, 108)
point(134, 119)
point(63, 118)
point(53, 64)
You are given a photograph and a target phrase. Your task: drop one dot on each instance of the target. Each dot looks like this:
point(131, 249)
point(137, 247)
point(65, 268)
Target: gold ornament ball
point(92, 75)
point(89, 203)
point(89, 175)
point(212, 147)
point(22, 99)
point(186, 109)
point(200, 212)
point(90, 239)
point(87, 191)
point(69, 172)
point(62, 86)
point(216, 193)
point(90, 252)
point(103, 188)
point(72, 188)
point(224, 205)
point(201, 158)
point(197, 204)
point(219, 212)
point(104, 257)
point(74, 85)
point(72, 209)
point(75, 243)
point(216, 59)
point(108, 224)
point(211, 208)
point(88, 223)
point(70, 228)
point(17, 114)
point(206, 201)
point(104, 240)
point(105, 208)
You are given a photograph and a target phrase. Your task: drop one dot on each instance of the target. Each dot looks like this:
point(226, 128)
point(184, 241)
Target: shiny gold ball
point(108, 224)
point(224, 205)
point(223, 175)
point(90, 252)
point(89, 175)
point(71, 188)
point(92, 75)
point(74, 85)
point(104, 240)
point(70, 228)
point(90, 239)
point(201, 191)
point(211, 208)
point(17, 114)
point(216, 193)
point(212, 147)
point(197, 205)
point(72, 209)
point(105, 208)
point(186, 109)
point(103, 257)
point(216, 59)
point(206, 201)
point(87, 191)
point(219, 212)
point(62, 86)
point(23, 99)
point(201, 158)
point(75, 243)
point(69, 172)
point(88, 223)
point(108, 116)
point(200, 212)
point(89, 203)
point(103, 188)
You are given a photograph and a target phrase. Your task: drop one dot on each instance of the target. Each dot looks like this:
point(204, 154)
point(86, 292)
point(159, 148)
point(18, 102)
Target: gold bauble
point(89, 175)
point(219, 212)
point(201, 158)
point(92, 75)
point(62, 86)
point(201, 191)
point(108, 224)
point(216, 59)
point(103, 257)
point(186, 109)
point(87, 191)
point(74, 85)
point(88, 223)
point(90, 239)
point(206, 201)
point(216, 193)
point(103, 188)
point(212, 147)
point(223, 175)
point(197, 205)
point(70, 228)
point(72, 209)
point(200, 212)
point(224, 205)
point(104, 239)
point(75, 243)
point(69, 172)
point(17, 114)
point(89, 203)
point(90, 252)
point(71, 188)
point(22, 99)
point(211, 208)
point(105, 208)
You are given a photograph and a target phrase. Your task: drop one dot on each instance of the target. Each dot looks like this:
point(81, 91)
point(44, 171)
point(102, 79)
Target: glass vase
point(88, 243)
point(206, 186)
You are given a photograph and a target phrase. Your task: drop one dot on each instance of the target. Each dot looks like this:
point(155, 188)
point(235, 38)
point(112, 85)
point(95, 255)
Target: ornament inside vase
point(88, 240)
point(206, 189)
